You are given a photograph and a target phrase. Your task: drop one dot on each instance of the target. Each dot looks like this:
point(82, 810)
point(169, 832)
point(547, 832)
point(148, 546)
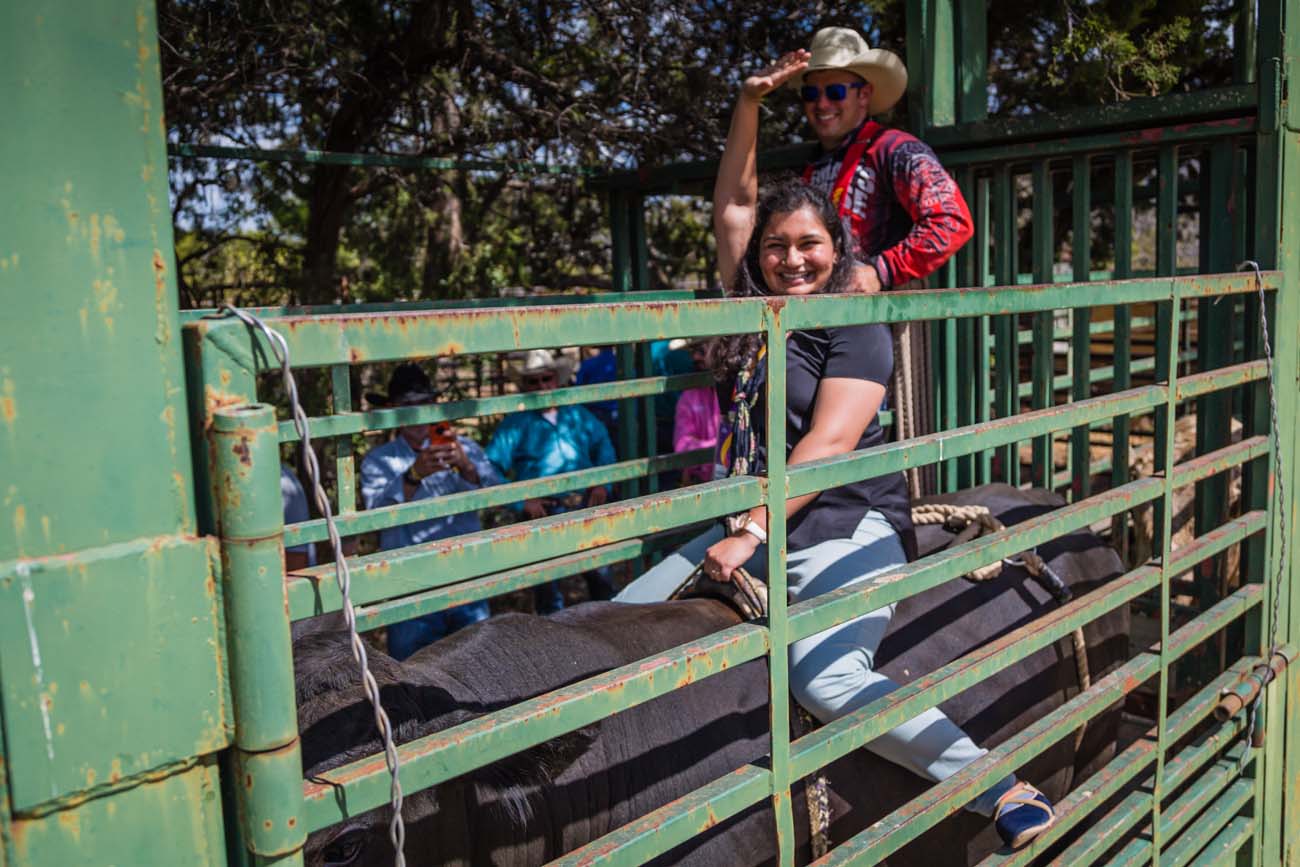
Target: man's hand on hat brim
point(768, 79)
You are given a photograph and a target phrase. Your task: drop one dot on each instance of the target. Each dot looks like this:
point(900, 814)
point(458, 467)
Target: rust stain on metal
point(241, 450)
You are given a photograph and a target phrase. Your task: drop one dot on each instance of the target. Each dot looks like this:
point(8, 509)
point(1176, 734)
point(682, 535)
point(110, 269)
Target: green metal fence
point(141, 641)
point(393, 585)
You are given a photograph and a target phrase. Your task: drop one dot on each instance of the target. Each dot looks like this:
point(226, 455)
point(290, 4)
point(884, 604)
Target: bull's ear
point(541, 764)
point(510, 782)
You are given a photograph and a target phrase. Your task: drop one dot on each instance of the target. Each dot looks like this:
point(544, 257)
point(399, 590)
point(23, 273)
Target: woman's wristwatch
point(412, 478)
point(754, 529)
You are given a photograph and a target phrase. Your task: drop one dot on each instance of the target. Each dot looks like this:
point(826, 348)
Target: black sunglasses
point(834, 92)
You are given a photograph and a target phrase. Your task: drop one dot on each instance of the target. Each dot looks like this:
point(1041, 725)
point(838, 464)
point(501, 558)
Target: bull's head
point(337, 726)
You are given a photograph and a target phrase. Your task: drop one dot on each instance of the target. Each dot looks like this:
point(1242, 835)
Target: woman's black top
point(851, 352)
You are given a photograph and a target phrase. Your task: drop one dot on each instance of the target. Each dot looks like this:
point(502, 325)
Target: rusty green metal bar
point(1043, 365)
point(445, 755)
point(675, 822)
point(441, 598)
point(1196, 385)
point(1204, 466)
point(388, 574)
point(1226, 846)
point(1109, 781)
point(1006, 349)
point(372, 307)
point(1065, 381)
point(246, 466)
point(1121, 342)
point(345, 466)
point(1187, 133)
point(919, 451)
point(1081, 344)
point(1169, 109)
point(825, 310)
point(831, 609)
point(1214, 345)
point(498, 495)
point(386, 419)
point(1167, 313)
point(331, 340)
point(777, 615)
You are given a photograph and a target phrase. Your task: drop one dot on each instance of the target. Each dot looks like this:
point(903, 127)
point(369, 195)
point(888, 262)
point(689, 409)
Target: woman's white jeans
point(831, 673)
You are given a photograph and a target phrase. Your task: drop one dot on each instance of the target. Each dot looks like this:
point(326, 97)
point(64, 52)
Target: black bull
point(548, 800)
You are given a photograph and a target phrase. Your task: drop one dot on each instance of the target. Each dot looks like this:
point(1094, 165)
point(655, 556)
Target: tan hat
point(537, 360)
point(843, 48)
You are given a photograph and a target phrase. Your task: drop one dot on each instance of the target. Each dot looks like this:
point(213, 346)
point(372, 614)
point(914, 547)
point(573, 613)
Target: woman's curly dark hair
point(727, 355)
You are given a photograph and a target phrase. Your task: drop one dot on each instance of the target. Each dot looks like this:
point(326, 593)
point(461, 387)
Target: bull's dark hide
point(532, 807)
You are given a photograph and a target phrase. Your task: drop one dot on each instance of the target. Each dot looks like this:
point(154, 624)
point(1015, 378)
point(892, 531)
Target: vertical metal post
point(246, 468)
point(1167, 315)
point(1243, 44)
point(620, 244)
point(972, 61)
point(965, 386)
point(1044, 368)
point(1121, 344)
point(344, 466)
point(775, 496)
point(984, 385)
point(1277, 245)
point(648, 422)
point(1081, 340)
point(1006, 344)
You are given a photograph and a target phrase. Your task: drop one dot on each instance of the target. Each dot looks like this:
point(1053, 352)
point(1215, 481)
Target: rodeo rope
point(342, 574)
point(1279, 508)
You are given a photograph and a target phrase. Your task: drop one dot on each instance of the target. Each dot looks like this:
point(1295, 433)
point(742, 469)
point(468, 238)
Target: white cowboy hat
point(843, 48)
point(537, 360)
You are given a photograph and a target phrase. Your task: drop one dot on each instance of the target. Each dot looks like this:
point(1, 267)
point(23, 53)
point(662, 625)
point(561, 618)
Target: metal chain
point(342, 574)
point(1279, 498)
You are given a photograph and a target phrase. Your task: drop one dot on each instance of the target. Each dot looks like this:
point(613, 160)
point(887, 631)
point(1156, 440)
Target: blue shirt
point(601, 367)
point(381, 485)
point(530, 447)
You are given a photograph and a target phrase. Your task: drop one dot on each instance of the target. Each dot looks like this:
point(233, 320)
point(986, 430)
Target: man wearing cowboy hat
point(535, 443)
point(907, 215)
point(413, 466)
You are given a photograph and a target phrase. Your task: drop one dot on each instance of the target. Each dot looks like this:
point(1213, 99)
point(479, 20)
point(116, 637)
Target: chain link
point(1279, 500)
point(342, 574)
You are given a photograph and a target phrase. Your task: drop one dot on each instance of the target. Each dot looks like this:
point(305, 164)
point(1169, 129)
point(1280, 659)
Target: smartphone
point(441, 434)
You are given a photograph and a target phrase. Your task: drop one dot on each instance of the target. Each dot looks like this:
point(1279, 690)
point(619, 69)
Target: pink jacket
point(695, 426)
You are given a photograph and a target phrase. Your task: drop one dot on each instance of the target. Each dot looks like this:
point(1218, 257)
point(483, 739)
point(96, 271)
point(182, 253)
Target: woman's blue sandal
point(1022, 814)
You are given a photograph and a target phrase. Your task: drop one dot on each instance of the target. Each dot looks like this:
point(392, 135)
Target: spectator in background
point(294, 500)
point(602, 367)
point(420, 462)
point(695, 423)
point(533, 444)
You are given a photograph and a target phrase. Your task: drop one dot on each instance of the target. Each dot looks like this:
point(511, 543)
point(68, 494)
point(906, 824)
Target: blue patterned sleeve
point(501, 450)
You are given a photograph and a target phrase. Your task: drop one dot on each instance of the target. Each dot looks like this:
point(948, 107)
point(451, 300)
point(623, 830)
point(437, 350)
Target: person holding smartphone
point(423, 461)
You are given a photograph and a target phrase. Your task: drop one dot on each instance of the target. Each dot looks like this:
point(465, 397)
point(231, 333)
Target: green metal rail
point(395, 585)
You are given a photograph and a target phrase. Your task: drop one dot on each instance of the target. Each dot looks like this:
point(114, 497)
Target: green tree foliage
point(597, 83)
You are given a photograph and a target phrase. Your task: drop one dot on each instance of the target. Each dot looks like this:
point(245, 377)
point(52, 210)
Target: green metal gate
point(99, 747)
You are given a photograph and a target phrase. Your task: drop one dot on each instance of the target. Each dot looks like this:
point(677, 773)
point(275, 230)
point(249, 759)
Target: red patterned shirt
point(907, 214)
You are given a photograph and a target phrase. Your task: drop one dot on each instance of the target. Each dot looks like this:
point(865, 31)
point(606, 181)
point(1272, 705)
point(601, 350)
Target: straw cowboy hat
point(537, 360)
point(842, 48)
